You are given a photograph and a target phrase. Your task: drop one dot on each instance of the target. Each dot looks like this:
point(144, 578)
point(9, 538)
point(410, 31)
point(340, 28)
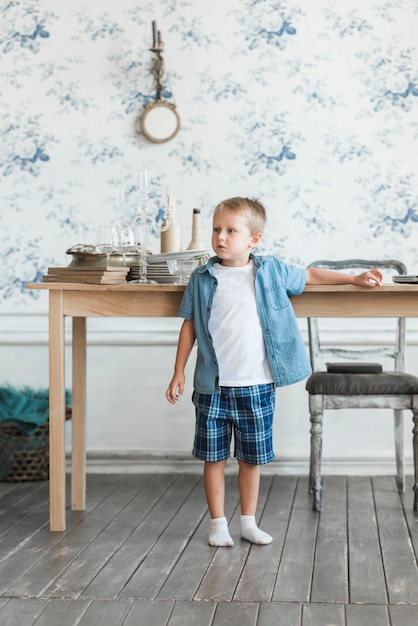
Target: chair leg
point(399, 449)
point(315, 483)
point(415, 456)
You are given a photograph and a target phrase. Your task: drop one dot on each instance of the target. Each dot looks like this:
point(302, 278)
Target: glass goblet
point(125, 241)
point(105, 241)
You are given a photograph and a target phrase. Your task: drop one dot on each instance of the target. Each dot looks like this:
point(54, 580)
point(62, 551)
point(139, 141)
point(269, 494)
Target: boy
point(238, 308)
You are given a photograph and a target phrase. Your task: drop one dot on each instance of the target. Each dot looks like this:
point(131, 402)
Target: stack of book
point(92, 275)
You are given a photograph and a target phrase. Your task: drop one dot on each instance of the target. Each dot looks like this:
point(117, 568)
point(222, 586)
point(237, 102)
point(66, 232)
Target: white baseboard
point(28, 328)
point(136, 463)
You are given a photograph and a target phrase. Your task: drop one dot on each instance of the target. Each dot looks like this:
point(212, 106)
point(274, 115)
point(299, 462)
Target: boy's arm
point(316, 276)
point(186, 340)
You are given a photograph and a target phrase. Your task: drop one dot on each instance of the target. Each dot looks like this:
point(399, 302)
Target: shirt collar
point(215, 259)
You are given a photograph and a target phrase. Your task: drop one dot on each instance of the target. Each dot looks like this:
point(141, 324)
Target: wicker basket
point(25, 457)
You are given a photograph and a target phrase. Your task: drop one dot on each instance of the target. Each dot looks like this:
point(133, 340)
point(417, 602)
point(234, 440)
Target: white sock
point(251, 532)
point(219, 533)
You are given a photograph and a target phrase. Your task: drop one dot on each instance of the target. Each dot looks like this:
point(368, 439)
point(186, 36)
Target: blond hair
point(250, 208)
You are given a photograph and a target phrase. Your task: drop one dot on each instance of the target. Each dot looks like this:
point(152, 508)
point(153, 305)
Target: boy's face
point(232, 240)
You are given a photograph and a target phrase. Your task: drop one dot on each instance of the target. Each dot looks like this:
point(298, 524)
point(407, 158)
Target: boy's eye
point(231, 230)
point(216, 229)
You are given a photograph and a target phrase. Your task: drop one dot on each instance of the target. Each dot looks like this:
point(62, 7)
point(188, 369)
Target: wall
point(312, 107)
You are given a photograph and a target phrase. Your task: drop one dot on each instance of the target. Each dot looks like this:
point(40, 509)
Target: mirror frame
point(152, 107)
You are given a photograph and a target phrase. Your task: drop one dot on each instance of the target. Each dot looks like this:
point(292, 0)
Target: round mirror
point(160, 121)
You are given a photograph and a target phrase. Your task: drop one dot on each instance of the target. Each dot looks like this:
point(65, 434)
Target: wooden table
point(80, 301)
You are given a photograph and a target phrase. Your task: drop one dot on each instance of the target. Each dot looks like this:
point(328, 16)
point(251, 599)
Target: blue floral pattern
point(311, 107)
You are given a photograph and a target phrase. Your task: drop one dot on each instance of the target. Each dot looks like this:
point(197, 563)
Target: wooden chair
point(355, 389)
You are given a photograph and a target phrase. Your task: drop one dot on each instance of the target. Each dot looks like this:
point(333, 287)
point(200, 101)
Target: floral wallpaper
point(310, 106)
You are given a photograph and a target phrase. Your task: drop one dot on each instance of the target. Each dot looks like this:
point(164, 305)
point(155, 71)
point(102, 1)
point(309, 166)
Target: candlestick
point(119, 207)
point(144, 220)
point(154, 34)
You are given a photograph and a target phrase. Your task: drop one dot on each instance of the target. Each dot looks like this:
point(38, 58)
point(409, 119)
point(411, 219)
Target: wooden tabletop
point(127, 299)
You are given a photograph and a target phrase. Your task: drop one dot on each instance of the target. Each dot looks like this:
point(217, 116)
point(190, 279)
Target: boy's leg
point(214, 481)
point(212, 441)
point(253, 413)
point(249, 484)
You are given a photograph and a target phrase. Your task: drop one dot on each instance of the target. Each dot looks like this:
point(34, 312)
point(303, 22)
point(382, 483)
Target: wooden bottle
point(171, 239)
point(196, 242)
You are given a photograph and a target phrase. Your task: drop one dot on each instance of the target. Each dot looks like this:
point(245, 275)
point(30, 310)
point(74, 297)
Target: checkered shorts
point(245, 411)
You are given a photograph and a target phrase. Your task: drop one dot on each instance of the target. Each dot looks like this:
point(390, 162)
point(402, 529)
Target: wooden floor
point(139, 556)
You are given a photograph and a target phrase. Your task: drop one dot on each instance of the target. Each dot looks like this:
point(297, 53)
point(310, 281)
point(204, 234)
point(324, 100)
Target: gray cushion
point(362, 384)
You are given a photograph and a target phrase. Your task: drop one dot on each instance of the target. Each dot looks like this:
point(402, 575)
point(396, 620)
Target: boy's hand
point(175, 389)
point(371, 278)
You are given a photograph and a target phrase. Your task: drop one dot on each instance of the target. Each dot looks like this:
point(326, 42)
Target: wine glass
point(125, 241)
point(105, 241)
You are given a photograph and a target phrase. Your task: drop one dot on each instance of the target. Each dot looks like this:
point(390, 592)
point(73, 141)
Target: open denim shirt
point(275, 283)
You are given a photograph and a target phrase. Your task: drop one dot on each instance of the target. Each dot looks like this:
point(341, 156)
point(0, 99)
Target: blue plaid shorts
point(246, 412)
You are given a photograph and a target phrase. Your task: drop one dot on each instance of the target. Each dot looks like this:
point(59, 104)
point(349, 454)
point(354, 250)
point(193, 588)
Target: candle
point(154, 34)
point(171, 199)
point(143, 180)
point(120, 196)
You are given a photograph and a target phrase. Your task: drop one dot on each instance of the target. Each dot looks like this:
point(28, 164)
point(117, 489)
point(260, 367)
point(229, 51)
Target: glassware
point(186, 268)
point(143, 221)
point(125, 241)
point(105, 241)
point(119, 206)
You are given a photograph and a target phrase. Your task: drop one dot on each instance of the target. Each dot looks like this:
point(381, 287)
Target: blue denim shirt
point(275, 283)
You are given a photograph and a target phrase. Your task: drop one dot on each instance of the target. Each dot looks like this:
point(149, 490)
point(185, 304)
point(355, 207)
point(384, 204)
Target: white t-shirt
point(235, 328)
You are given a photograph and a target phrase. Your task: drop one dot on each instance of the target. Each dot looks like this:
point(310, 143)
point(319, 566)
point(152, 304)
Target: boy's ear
point(255, 239)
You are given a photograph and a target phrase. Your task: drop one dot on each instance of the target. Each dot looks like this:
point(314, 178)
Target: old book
point(87, 270)
point(92, 275)
point(94, 280)
point(95, 273)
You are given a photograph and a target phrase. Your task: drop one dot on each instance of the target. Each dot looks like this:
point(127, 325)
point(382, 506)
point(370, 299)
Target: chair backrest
point(320, 355)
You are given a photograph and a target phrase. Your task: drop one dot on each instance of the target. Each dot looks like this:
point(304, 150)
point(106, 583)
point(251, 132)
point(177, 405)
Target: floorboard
point(101, 612)
point(398, 555)
point(259, 574)
point(138, 555)
point(140, 528)
point(171, 530)
point(294, 577)
point(330, 570)
point(366, 573)
point(367, 615)
point(320, 614)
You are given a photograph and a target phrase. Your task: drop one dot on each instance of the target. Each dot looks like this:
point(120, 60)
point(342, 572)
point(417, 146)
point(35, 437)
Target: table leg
point(57, 411)
point(78, 464)
point(415, 455)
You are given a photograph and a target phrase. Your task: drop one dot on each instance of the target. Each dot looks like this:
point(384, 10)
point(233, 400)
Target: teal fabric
point(26, 408)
